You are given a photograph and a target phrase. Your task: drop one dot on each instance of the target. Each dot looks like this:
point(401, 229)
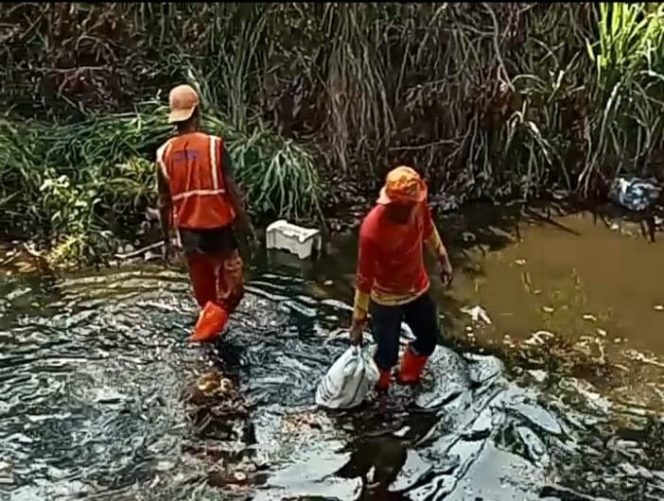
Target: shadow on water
point(102, 398)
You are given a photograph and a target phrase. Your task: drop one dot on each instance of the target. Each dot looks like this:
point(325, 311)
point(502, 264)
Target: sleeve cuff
point(361, 307)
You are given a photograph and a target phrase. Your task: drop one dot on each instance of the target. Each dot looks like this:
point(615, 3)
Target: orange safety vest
point(191, 163)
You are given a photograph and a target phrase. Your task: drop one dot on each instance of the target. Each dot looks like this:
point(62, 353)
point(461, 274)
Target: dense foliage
point(488, 99)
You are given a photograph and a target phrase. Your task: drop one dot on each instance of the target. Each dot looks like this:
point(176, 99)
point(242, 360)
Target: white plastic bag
point(348, 381)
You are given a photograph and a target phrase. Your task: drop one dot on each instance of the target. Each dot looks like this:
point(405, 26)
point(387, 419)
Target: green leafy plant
point(629, 58)
point(78, 182)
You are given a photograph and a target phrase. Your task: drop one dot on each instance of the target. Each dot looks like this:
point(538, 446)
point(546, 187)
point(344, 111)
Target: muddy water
point(576, 278)
point(597, 287)
point(102, 398)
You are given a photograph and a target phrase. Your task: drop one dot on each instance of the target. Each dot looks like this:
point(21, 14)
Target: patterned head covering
point(402, 186)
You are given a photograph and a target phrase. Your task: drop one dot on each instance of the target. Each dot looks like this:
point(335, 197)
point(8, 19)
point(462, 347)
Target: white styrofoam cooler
point(283, 235)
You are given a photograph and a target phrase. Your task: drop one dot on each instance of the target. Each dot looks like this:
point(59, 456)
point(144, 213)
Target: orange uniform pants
point(217, 278)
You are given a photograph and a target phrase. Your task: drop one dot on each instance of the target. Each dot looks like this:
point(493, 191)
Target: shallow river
point(102, 397)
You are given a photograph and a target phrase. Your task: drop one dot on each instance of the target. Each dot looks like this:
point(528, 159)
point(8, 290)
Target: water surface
point(102, 397)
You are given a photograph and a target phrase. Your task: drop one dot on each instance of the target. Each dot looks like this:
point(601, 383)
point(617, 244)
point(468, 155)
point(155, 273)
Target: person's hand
point(446, 271)
point(356, 331)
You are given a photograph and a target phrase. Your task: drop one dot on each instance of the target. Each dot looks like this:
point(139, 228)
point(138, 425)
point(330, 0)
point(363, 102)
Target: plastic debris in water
point(239, 476)
point(402, 432)
point(477, 313)
point(538, 375)
point(539, 338)
point(634, 194)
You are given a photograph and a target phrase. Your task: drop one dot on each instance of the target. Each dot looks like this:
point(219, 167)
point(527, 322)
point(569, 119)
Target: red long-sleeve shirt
point(391, 262)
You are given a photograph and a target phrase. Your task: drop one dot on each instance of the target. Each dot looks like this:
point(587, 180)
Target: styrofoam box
point(283, 235)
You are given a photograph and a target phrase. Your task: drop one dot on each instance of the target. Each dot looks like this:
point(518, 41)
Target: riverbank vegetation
point(316, 101)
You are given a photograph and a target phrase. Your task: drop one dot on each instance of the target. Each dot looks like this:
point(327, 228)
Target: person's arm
point(165, 209)
point(234, 192)
point(436, 246)
point(364, 279)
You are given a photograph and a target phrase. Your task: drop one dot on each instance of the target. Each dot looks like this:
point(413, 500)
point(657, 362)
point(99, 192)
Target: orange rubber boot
point(411, 368)
point(383, 383)
point(211, 321)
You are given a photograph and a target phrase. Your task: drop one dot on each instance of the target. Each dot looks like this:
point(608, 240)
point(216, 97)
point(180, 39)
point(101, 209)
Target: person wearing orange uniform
point(199, 197)
point(392, 284)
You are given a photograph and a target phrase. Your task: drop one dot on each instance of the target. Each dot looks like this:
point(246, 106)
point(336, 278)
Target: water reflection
point(102, 398)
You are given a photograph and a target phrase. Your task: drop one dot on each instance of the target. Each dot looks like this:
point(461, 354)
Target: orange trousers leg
point(217, 278)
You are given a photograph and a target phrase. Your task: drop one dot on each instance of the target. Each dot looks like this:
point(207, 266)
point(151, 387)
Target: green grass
point(74, 185)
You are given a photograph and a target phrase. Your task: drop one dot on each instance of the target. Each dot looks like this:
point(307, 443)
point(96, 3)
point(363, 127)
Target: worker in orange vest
point(199, 197)
point(392, 283)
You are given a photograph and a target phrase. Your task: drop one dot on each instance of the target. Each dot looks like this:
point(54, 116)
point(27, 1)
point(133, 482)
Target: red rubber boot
point(383, 383)
point(211, 321)
point(411, 368)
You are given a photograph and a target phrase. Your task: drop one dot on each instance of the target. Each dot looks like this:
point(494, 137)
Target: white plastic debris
point(539, 338)
point(401, 432)
point(283, 235)
point(348, 381)
point(477, 313)
point(634, 193)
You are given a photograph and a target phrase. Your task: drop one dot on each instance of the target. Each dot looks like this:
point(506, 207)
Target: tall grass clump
point(629, 62)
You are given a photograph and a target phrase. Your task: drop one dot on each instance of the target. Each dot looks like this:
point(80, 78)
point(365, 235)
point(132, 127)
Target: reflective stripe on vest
point(215, 176)
point(213, 163)
point(161, 153)
point(214, 166)
point(192, 166)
